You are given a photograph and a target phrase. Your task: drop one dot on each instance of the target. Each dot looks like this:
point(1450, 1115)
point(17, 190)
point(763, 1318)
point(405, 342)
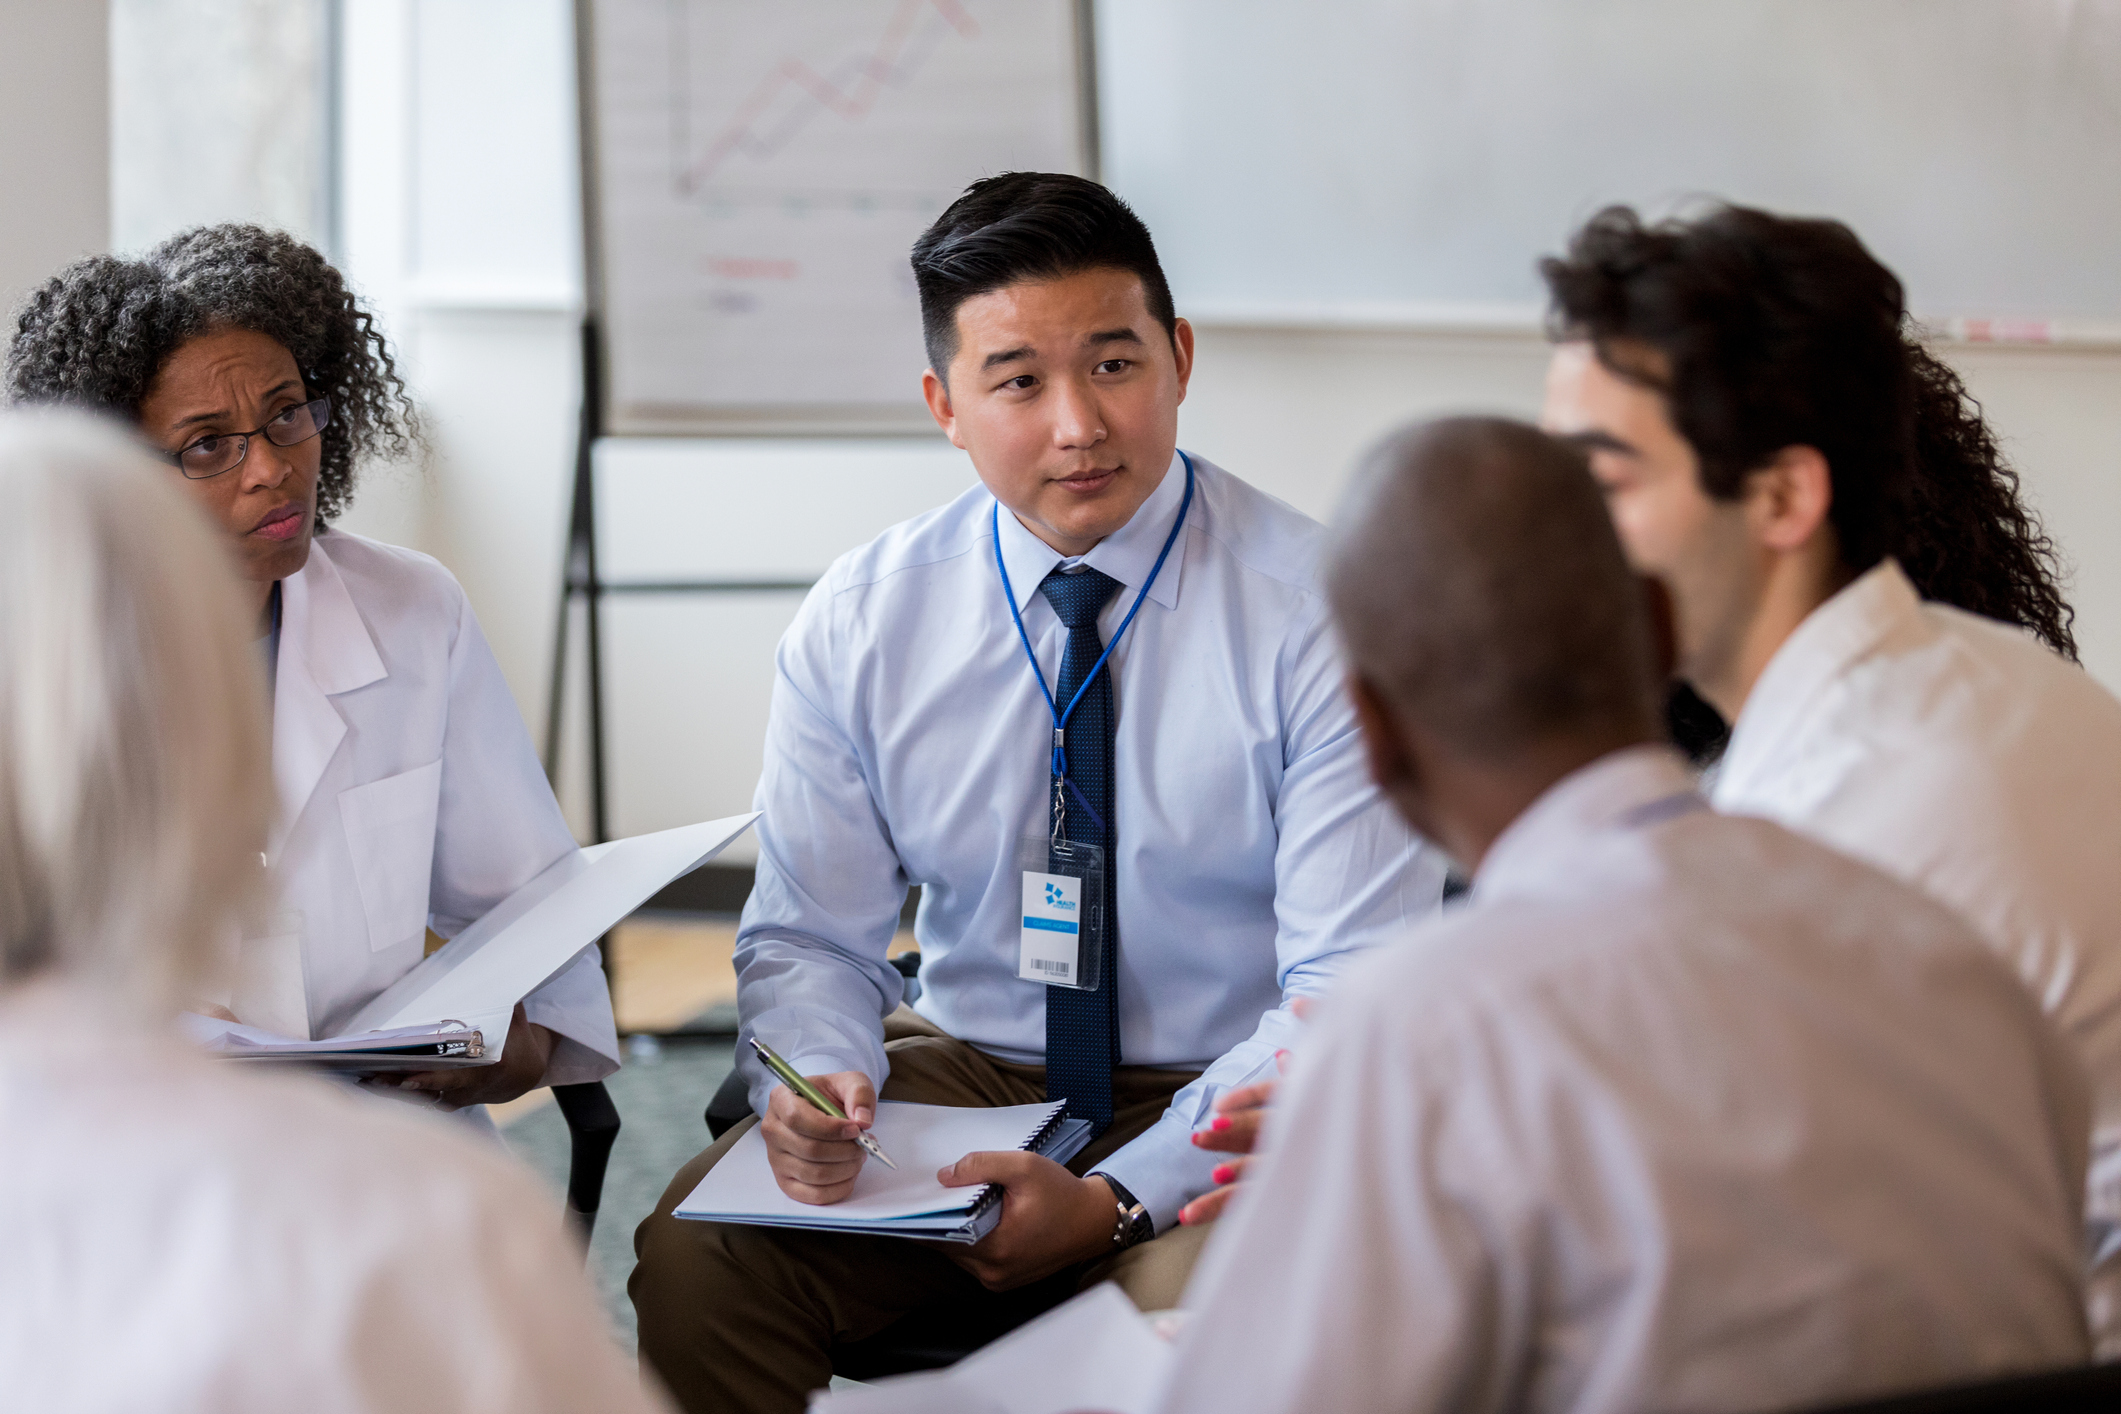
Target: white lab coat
point(408, 796)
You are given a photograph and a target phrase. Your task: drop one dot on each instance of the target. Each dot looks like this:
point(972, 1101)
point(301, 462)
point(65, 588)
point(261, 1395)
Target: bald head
point(1483, 595)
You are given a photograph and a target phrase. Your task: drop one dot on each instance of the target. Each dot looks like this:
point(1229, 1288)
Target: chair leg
point(592, 1127)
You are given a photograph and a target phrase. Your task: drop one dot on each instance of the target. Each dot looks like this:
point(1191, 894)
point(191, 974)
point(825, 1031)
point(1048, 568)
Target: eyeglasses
point(224, 451)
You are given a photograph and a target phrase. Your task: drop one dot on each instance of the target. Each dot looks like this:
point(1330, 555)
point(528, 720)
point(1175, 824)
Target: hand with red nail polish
point(1235, 1130)
point(1238, 1115)
point(1209, 1206)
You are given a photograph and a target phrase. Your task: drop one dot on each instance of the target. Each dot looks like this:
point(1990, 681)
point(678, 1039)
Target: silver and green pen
point(816, 1097)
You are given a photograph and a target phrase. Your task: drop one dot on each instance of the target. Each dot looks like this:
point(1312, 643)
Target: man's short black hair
point(1028, 226)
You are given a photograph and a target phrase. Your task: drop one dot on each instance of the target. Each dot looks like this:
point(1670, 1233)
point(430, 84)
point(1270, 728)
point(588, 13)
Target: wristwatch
point(1133, 1225)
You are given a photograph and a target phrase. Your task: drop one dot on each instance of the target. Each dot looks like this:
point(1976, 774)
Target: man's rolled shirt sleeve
point(813, 979)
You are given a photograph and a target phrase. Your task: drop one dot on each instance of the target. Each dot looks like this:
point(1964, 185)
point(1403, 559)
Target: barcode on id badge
point(1042, 964)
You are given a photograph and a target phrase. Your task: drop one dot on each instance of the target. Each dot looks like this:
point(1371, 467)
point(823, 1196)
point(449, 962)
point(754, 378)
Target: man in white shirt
point(1680, 1111)
point(1111, 642)
point(1802, 478)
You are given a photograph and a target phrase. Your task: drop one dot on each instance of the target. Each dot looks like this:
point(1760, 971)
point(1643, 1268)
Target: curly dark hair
point(1779, 332)
point(100, 331)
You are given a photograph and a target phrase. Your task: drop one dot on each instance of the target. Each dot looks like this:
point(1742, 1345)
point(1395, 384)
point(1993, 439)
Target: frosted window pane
point(220, 111)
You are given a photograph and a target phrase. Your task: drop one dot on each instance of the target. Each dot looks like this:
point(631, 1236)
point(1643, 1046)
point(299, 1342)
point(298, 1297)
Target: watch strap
point(1132, 1224)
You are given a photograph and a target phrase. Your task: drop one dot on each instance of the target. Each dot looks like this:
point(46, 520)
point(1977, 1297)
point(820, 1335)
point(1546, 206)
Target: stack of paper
point(904, 1202)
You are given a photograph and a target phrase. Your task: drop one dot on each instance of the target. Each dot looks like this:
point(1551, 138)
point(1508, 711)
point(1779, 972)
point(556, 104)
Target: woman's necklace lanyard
point(1060, 714)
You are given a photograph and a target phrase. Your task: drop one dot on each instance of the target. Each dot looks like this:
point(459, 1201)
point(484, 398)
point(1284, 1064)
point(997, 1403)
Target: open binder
point(406, 1048)
point(453, 1009)
point(908, 1202)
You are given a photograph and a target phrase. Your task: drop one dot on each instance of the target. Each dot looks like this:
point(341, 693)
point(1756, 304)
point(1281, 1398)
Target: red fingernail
point(1281, 1055)
point(1221, 1123)
point(1199, 1138)
point(1223, 1173)
point(1185, 1217)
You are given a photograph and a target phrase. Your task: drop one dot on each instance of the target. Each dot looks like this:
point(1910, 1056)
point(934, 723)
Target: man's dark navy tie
point(1082, 1027)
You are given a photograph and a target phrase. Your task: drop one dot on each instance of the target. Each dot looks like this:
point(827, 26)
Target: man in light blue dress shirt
point(912, 742)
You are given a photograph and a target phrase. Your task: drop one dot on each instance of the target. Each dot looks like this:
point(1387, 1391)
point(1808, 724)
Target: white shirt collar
point(1127, 554)
point(1831, 638)
point(1546, 840)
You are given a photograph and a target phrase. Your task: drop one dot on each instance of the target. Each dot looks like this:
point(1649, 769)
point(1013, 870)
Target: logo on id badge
point(1053, 926)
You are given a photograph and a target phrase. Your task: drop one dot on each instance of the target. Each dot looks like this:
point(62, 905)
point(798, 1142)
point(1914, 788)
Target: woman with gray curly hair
point(408, 792)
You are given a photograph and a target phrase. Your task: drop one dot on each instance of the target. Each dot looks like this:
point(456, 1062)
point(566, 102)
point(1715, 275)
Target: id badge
point(1063, 933)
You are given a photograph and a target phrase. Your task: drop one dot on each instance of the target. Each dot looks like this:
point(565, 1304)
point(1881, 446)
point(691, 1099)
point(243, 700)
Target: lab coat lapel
point(325, 649)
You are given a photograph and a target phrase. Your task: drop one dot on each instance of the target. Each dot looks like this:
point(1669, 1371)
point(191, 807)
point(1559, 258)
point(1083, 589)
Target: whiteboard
point(757, 173)
point(1420, 155)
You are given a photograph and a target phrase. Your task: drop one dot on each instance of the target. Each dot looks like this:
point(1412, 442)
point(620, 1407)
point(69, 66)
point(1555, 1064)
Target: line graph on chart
point(796, 93)
point(765, 165)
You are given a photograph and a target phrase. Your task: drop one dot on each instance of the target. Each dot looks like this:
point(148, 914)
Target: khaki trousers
point(744, 1318)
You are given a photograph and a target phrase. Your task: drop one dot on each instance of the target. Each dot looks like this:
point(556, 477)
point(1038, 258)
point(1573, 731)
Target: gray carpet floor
point(660, 1095)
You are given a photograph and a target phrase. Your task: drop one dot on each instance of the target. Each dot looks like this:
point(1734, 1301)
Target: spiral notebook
point(908, 1201)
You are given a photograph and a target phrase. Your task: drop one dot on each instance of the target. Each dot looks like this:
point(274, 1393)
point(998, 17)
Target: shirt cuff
point(811, 1060)
point(1162, 1168)
point(575, 1005)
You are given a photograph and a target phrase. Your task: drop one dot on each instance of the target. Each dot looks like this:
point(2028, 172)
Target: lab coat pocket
point(390, 829)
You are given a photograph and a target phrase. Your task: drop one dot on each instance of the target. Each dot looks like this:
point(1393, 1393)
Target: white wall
point(460, 225)
point(220, 111)
point(2059, 415)
point(55, 161)
point(459, 215)
point(1446, 144)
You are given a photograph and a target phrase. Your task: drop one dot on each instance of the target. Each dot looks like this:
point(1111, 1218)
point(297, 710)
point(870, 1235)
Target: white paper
point(479, 975)
point(1094, 1353)
point(919, 1138)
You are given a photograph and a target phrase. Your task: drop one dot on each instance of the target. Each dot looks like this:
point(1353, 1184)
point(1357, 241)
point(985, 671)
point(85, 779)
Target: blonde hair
point(134, 755)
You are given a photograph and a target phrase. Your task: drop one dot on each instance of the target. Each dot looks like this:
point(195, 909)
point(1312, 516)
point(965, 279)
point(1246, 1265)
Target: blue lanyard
point(1061, 715)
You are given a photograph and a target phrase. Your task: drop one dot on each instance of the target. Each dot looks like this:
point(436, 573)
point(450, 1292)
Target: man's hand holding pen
point(815, 1157)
